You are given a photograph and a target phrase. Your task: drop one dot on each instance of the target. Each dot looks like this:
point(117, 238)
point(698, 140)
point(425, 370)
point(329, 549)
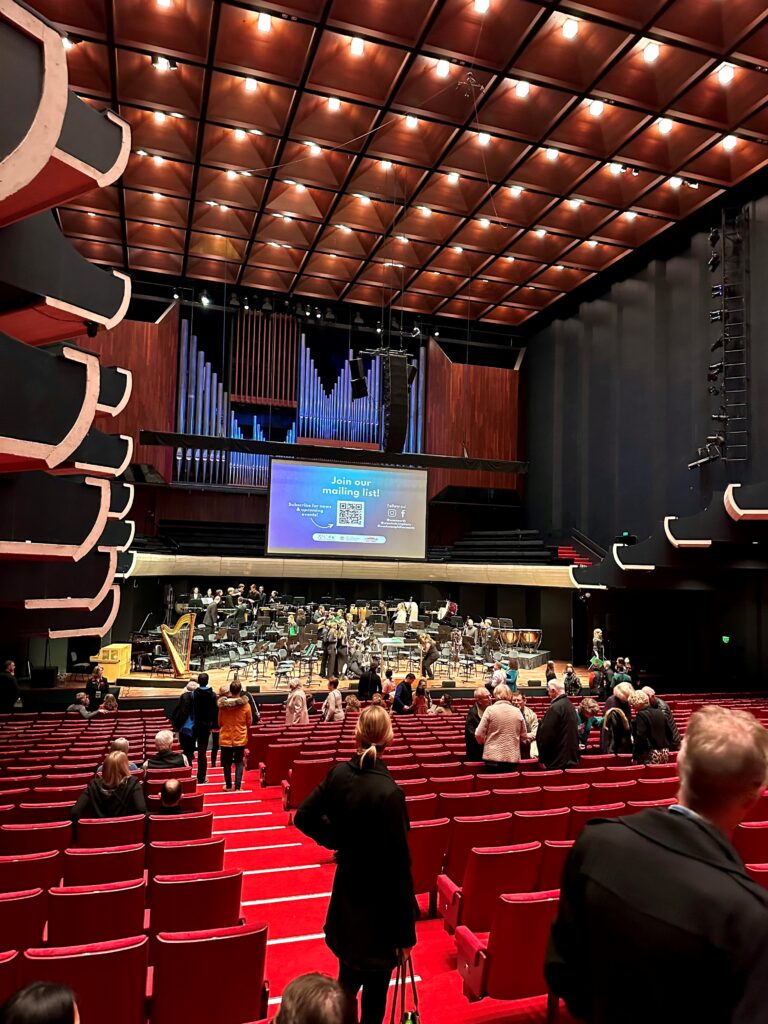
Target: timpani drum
point(530, 639)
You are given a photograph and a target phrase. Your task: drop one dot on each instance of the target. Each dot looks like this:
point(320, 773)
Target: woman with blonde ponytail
point(359, 811)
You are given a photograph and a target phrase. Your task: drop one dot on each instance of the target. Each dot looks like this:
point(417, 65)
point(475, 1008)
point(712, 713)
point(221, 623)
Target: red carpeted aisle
point(287, 883)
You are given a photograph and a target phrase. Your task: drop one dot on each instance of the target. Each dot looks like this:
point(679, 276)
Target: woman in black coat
point(650, 728)
point(359, 811)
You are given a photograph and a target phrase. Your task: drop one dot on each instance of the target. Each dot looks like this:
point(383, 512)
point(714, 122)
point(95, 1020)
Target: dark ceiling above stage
point(467, 158)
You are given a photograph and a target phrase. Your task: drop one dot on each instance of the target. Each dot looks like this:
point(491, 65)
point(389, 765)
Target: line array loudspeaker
point(394, 401)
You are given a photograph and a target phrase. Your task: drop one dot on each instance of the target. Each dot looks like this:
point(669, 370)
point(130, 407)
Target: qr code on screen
point(350, 513)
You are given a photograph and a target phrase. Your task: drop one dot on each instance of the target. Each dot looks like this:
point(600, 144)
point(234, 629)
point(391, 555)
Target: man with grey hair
point(558, 734)
point(657, 702)
point(315, 999)
point(474, 749)
point(666, 889)
point(165, 756)
point(119, 744)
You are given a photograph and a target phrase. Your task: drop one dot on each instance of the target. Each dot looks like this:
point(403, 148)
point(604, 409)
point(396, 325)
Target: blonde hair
point(353, 703)
point(638, 699)
point(723, 758)
point(623, 691)
point(502, 692)
point(373, 732)
point(110, 702)
point(589, 706)
point(116, 768)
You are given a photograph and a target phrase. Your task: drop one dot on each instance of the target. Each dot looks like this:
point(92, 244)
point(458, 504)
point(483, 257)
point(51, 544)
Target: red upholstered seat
point(106, 864)
point(586, 774)
point(532, 826)
point(427, 842)
point(751, 840)
point(278, 762)
point(509, 962)
point(758, 873)
point(100, 832)
point(564, 796)
point(442, 769)
point(488, 873)
point(501, 780)
point(553, 858)
point(184, 858)
point(30, 871)
point(611, 792)
point(528, 798)
point(479, 830)
point(81, 914)
point(302, 779)
point(540, 778)
point(51, 794)
point(653, 771)
point(161, 774)
point(28, 813)
point(581, 815)
point(452, 783)
point(421, 808)
point(169, 828)
point(415, 787)
point(108, 977)
point(656, 789)
point(220, 951)
point(758, 813)
point(210, 898)
point(190, 803)
point(454, 805)
point(52, 835)
point(22, 917)
point(623, 772)
point(10, 974)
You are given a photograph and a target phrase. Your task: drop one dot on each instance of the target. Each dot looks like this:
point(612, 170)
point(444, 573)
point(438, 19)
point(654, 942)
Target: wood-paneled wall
point(150, 352)
point(472, 406)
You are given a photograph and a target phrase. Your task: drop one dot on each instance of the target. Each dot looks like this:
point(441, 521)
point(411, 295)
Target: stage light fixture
point(714, 237)
point(411, 121)
point(630, 215)
point(246, 304)
point(665, 125)
point(164, 3)
point(458, 249)
point(67, 42)
point(425, 210)
point(358, 320)
point(436, 334)
point(334, 103)
point(675, 182)
point(713, 262)
point(454, 177)
point(575, 203)
point(205, 298)
point(234, 301)
point(251, 85)
point(266, 306)
point(159, 116)
point(484, 222)
point(552, 154)
point(378, 327)
point(729, 142)
point(386, 165)
point(516, 191)
point(651, 52)
point(615, 169)
point(318, 314)
point(714, 371)
point(712, 390)
point(596, 108)
point(722, 416)
point(483, 138)
point(299, 309)
point(176, 294)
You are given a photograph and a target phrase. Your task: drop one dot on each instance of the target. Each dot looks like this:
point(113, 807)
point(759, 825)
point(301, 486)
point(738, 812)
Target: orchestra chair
point(487, 875)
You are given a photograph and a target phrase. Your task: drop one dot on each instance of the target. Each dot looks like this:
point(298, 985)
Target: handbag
point(658, 757)
point(401, 984)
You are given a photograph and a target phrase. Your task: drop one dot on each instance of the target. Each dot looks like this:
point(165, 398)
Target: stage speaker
point(394, 401)
point(42, 676)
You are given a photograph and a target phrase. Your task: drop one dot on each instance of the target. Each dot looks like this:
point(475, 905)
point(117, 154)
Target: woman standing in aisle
point(333, 705)
point(358, 809)
point(235, 716)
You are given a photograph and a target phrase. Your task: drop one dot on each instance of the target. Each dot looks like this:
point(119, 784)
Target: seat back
point(466, 832)
point(169, 828)
point(306, 776)
point(190, 803)
point(30, 814)
point(427, 842)
point(656, 789)
point(455, 805)
point(95, 865)
point(500, 780)
point(210, 898)
point(528, 798)
point(581, 815)
point(489, 871)
point(612, 792)
point(532, 826)
point(758, 873)
point(108, 977)
point(30, 871)
point(10, 974)
point(184, 858)
point(82, 914)
point(421, 808)
point(100, 832)
point(452, 783)
point(278, 761)
point(517, 944)
point(52, 835)
point(564, 796)
point(218, 949)
point(22, 917)
point(553, 858)
point(751, 840)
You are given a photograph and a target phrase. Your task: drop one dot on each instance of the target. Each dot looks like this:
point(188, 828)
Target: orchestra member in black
point(370, 682)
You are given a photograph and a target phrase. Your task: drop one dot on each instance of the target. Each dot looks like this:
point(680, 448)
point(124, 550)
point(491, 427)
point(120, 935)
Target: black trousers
point(375, 985)
point(214, 746)
point(201, 741)
point(429, 660)
point(228, 756)
point(499, 767)
point(187, 744)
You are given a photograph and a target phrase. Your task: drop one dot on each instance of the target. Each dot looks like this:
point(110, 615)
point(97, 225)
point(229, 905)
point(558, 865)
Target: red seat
point(153, 787)
point(54, 794)
point(656, 789)
point(465, 833)
point(94, 865)
point(527, 799)
point(758, 873)
point(532, 826)
point(488, 873)
point(161, 774)
point(184, 858)
point(581, 815)
point(22, 917)
point(643, 805)
point(751, 840)
point(653, 771)
point(10, 980)
point(51, 835)
point(170, 828)
point(218, 949)
point(452, 783)
point(610, 792)
point(15, 796)
point(30, 814)
point(442, 769)
point(564, 796)
point(454, 805)
point(80, 914)
point(415, 787)
point(589, 775)
point(502, 780)
point(209, 898)
point(553, 858)
point(278, 761)
point(427, 842)
point(190, 803)
point(100, 832)
point(302, 779)
point(30, 871)
point(108, 977)
point(421, 808)
point(540, 778)
point(11, 782)
point(509, 963)
point(758, 813)
point(621, 772)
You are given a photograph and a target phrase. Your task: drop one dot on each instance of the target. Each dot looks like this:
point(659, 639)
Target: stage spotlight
point(715, 369)
point(705, 455)
point(205, 298)
point(330, 316)
point(299, 309)
point(713, 262)
point(266, 306)
point(416, 332)
point(719, 342)
point(246, 304)
point(318, 314)
point(234, 301)
point(718, 440)
point(358, 321)
point(717, 291)
point(435, 334)
point(716, 316)
point(176, 294)
point(714, 237)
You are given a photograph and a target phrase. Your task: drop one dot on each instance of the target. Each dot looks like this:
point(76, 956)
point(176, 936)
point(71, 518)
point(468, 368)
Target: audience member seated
point(170, 797)
point(616, 737)
point(352, 703)
point(444, 705)
point(315, 999)
point(9, 688)
point(666, 889)
point(650, 730)
point(80, 706)
point(113, 794)
point(165, 756)
point(109, 707)
point(474, 749)
point(558, 734)
point(41, 1003)
point(501, 729)
point(119, 744)
point(657, 702)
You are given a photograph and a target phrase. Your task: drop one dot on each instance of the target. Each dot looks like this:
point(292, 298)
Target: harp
point(178, 643)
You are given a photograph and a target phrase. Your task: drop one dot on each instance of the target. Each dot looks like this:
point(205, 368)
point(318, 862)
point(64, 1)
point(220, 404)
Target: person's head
point(353, 703)
point(223, 691)
point(116, 768)
point(110, 702)
point(374, 664)
point(518, 699)
point(333, 683)
point(81, 698)
point(606, 664)
point(377, 700)
point(589, 707)
point(98, 671)
point(502, 692)
point(170, 794)
point(202, 679)
point(446, 701)
point(569, 667)
point(164, 740)
point(620, 664)
point(191, 686)
point(410, 679)
point(651, 694)
point(482, 697)
point(638, 700)
point(373, 732)
point(470, 623)
point(723, 764)
point(41, 1003)
point(623, 691)
point(315, 999)
point(230, 590)
point(555, 688)
point(421, 689)
point(388, 673)
point(234, 688)
point(295, 684)
point(9, 665)
point(120, 744)
point(496, 666)
point(261, 589)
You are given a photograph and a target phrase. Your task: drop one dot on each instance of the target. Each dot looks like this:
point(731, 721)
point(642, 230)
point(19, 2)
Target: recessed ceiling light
point(159, 116)
point(570, 28)
point(516, 190)
point(522, 89)
point(453, 177)
point(559, 267)
point(357, 46)
point(665, 125)
point(254, 131)
point(157, 226)
point(725, 74)
point(300, 187)
point(575, 203)
point(675, 182)
point(615, 168)
point(402, 239)
point(177, 115)
point(163, 64)
point(540, 232)
point(510, 259)
point(334, 103)
point(246, 174)
point(481, 6)
point(333, 256)
point(442, 69)
point(591, 243)
point(483, 138)
point(141, 152)
point(314, 149)
point(164, 3)
point(275, 245)
point(157, 159)
point(729, 142)
point(411, 121)
point(231, 175)
point(287, 217)
point(426, 211)
point(239, 134)
point(552, 154)
point(436, 273)
point(596, 108)
point(458, 249)
point(365, 200)
point(223, 207)
point(630, 215)
point(211, 202)
point(157, 195)
point(651, 52)
point(90, 214)
point(251, 85)
point(264, 22)
point(345, 229)
point(484, 222)
point(67, 43)
point(386, 165)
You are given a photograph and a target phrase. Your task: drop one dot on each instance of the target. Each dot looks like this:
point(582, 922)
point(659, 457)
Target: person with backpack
point(183, 721)
point(205, 712)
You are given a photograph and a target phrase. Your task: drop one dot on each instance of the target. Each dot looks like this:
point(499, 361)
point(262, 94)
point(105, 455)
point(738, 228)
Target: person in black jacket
point(165, 756)
point(473, 748)
point(650, 731)
point(96, 689)
point(369, 682)
point(359, 809)
point(183, 721)
point(170, 797)
point(558, 734)
point(402, 703)
point(657, 702)
point(666, 889)
point(113, 794)
point(9, 688)
point(205, 711)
